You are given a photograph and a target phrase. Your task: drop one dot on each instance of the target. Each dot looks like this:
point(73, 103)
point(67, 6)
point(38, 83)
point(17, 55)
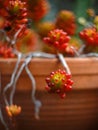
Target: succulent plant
point(59, 82)
point(13, 110)
point(66, 20)
point(38, 9)
point(15, 15)
point(89, 36)
point(58, 39)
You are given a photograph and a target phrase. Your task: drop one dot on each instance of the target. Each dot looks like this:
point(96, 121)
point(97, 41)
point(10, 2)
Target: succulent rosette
point(58, 39)
point(66, 20)
point(89, 36)
point(15, 14)
point(13, 110)
point(90, 39)
point(59, 82)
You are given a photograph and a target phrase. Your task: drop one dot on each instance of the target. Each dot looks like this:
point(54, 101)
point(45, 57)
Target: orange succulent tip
point(13, 110)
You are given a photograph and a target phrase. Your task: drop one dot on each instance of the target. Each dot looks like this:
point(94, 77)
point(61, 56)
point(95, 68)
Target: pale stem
point(12, 79)
point(27, 60)
point(64, 63)
point(14, 83)
point(13, 74)
point(41, 55)
point(36, 102)
point(16, 34)
point(80, 51)
point(89, 55)
point(77, 54)
point(19, 55)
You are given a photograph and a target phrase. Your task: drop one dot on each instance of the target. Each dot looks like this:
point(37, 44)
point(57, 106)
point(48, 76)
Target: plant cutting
point(59, 81)
point(17, 41)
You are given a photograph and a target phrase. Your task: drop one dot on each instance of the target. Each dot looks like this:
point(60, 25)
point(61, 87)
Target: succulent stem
point(64, 63)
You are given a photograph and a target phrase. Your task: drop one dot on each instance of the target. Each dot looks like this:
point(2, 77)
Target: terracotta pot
point(78, 111)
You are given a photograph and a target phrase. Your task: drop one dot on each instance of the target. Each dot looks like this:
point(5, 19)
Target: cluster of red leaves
point(66, 20)
point(58, 39)
point(14, 13)
point(5, 51)
point(89, 36)
point(38, 9)
point(13, 16)
point(59, 82)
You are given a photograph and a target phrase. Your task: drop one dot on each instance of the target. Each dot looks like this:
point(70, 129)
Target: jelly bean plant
point(21, 30)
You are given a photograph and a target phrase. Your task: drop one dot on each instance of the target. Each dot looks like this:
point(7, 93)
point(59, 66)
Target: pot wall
point(78, 111)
